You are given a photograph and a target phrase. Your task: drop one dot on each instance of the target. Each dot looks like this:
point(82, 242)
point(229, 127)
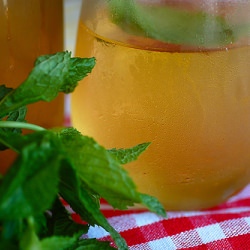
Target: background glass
point(174, 73)
point(28, 29)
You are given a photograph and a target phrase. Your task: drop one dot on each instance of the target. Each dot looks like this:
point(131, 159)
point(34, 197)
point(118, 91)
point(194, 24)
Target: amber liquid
point(28, 29)
point(193, 106)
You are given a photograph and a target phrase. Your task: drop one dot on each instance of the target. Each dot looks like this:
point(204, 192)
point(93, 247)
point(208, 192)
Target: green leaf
point(29, 239)
point(98, 168)
point(84, 203)
point(8, 245)
point(69, 189)
point(171, 24)
point(11, 229)
point(51, 74)
point(124, 156)
point(31, 184)
point(17, 115)
point(4, 91)
point(153, 204)
point(101, 171)
point(79, 68)
point(63, 225)
point(59, 242)
point(11, 140)
point(91, 207)
point(93, 244)
point(41, 224)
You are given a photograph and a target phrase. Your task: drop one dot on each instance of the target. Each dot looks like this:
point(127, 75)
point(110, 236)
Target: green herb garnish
point(175, 25)
point(59, 163)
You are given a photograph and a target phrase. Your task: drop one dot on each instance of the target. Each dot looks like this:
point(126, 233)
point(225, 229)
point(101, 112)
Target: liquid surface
point(193, 106)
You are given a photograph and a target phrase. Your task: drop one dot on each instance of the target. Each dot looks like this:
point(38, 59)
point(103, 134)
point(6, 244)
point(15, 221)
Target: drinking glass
point(28, 29)
point(176, 74)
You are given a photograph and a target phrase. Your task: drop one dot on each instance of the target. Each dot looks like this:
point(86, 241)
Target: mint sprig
point(59, 163)
point(175, 25)
point(51, 75)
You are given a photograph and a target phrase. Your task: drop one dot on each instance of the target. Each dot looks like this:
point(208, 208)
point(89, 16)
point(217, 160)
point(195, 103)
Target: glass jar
point(30, 28)
point(176, 74)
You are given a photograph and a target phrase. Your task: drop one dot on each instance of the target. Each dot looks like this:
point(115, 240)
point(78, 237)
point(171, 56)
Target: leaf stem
point(24, 125)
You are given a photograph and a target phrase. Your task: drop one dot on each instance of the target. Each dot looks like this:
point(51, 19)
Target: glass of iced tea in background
point(176, 74)
point(28, 29)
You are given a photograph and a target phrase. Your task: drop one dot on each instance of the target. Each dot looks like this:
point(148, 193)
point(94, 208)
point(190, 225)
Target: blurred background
point(71, 15)
point(72, 10)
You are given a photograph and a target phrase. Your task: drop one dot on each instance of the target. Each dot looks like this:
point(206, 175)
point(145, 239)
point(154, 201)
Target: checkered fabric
point(226, 227)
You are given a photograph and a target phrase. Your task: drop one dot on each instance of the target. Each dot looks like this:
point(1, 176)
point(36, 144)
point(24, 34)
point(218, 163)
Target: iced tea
point(192, 103)
point(28, 29)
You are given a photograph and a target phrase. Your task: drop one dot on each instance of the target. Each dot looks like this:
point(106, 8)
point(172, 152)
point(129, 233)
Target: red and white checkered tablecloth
point(225, 227)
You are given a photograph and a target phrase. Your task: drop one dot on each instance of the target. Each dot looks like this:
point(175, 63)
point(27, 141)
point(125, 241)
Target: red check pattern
point(225, 227)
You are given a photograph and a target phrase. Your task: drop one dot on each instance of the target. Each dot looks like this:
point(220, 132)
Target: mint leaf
point(100, 171)
point(70, 186)
point(7, 245)
point(51, 74)
point(11, 229)
point(171, 24)
point(92, 207)
point(59, 242)
point(83, 202)
point(153, 204)
point(79, 68)
point(31, 184)
point(67, 243)
point(97, 171)
point(124, 156)
point(4, 91)
point(29, 239)
point(63, 224)
point(16, 115)
point(93, 244)
point(98, 168)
